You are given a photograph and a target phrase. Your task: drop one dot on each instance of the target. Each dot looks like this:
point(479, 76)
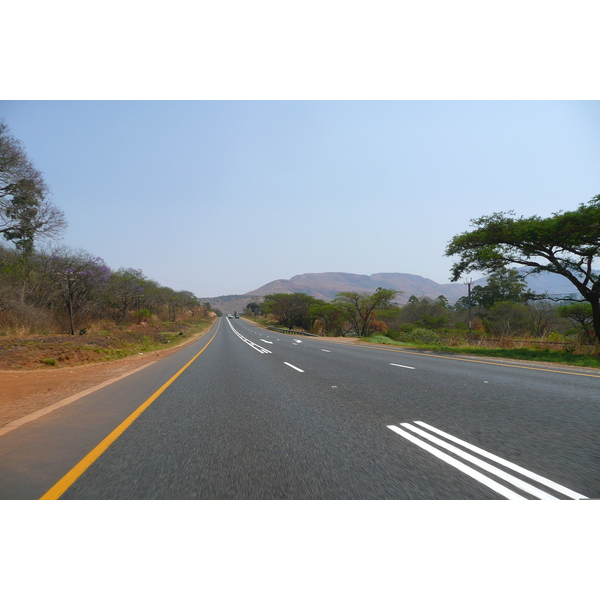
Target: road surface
point(246, 413)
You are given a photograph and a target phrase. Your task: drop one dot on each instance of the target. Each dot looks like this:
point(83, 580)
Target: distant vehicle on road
point(230, 316)
point(237, 314)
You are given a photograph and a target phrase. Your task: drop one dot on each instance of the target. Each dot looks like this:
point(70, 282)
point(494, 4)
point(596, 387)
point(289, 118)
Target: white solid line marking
point(325, 350)
point(247, 341)
point(266, 341)
point(293, 367)
point(403, 366)
point(497, 487)
point(476, 461)
point(555, 486)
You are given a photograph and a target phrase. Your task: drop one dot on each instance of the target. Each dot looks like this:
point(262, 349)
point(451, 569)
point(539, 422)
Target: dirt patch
point(28, 384)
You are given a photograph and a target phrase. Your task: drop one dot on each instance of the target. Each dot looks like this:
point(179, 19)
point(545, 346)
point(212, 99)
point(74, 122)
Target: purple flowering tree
point(80, 280)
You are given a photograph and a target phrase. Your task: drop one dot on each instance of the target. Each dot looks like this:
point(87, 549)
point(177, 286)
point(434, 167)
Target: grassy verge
point(128, 343)
point(260, 321)
point(542, 355)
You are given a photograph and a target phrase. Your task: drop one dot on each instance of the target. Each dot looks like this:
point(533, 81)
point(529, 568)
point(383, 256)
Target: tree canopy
point(289, 309)
point(566, 243)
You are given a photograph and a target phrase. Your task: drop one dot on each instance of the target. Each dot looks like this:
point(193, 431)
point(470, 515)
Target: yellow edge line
point(483, 362)
point(59, 488)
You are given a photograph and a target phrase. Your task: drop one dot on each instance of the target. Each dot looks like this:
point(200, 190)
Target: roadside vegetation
point(62, 306)
point(502, 318)
point(523, 328)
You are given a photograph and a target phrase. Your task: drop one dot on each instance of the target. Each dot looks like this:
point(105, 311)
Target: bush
point(393, 335)
point(422, 336)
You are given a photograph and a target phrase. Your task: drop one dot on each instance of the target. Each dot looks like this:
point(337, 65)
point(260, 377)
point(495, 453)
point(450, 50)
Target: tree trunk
point(596, 317)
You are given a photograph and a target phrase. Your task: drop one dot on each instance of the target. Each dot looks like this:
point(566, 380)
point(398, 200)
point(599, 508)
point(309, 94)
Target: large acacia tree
point(359, 309)
point(289, 309)
point(567, 243)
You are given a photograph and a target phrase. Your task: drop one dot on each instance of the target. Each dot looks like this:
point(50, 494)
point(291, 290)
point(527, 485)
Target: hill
point(326, 285)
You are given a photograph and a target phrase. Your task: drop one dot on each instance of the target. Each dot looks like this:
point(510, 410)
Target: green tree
point(254, 308)
point(289, 309)
point(581, 316)
point(503, 285)
point(567, 243)
point(327, 317)
point(427, 313)
point(359, 309)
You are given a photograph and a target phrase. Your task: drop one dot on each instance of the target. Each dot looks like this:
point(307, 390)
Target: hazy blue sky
point(221, 197)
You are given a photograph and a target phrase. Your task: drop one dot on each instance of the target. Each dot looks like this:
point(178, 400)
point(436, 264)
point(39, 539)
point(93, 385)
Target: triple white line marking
point(293, 367)
point(547, 482)
point(499, 488)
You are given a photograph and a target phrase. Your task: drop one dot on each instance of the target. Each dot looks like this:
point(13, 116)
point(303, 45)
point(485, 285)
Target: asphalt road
point(263, 415)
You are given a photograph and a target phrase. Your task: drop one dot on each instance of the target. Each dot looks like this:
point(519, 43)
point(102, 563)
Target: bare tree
point(25, 212)
point(541, 317)
point(79, 279)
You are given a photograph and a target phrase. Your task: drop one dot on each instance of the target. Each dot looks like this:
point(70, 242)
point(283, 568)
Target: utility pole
point(469, 284)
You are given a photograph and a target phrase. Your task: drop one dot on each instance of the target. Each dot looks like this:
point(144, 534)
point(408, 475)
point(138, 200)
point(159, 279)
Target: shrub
point(378, 338)
point(420, 335)
point(393, 335)
point(378, 326)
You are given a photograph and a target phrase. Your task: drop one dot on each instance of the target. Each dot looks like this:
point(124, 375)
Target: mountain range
point(326, 285)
